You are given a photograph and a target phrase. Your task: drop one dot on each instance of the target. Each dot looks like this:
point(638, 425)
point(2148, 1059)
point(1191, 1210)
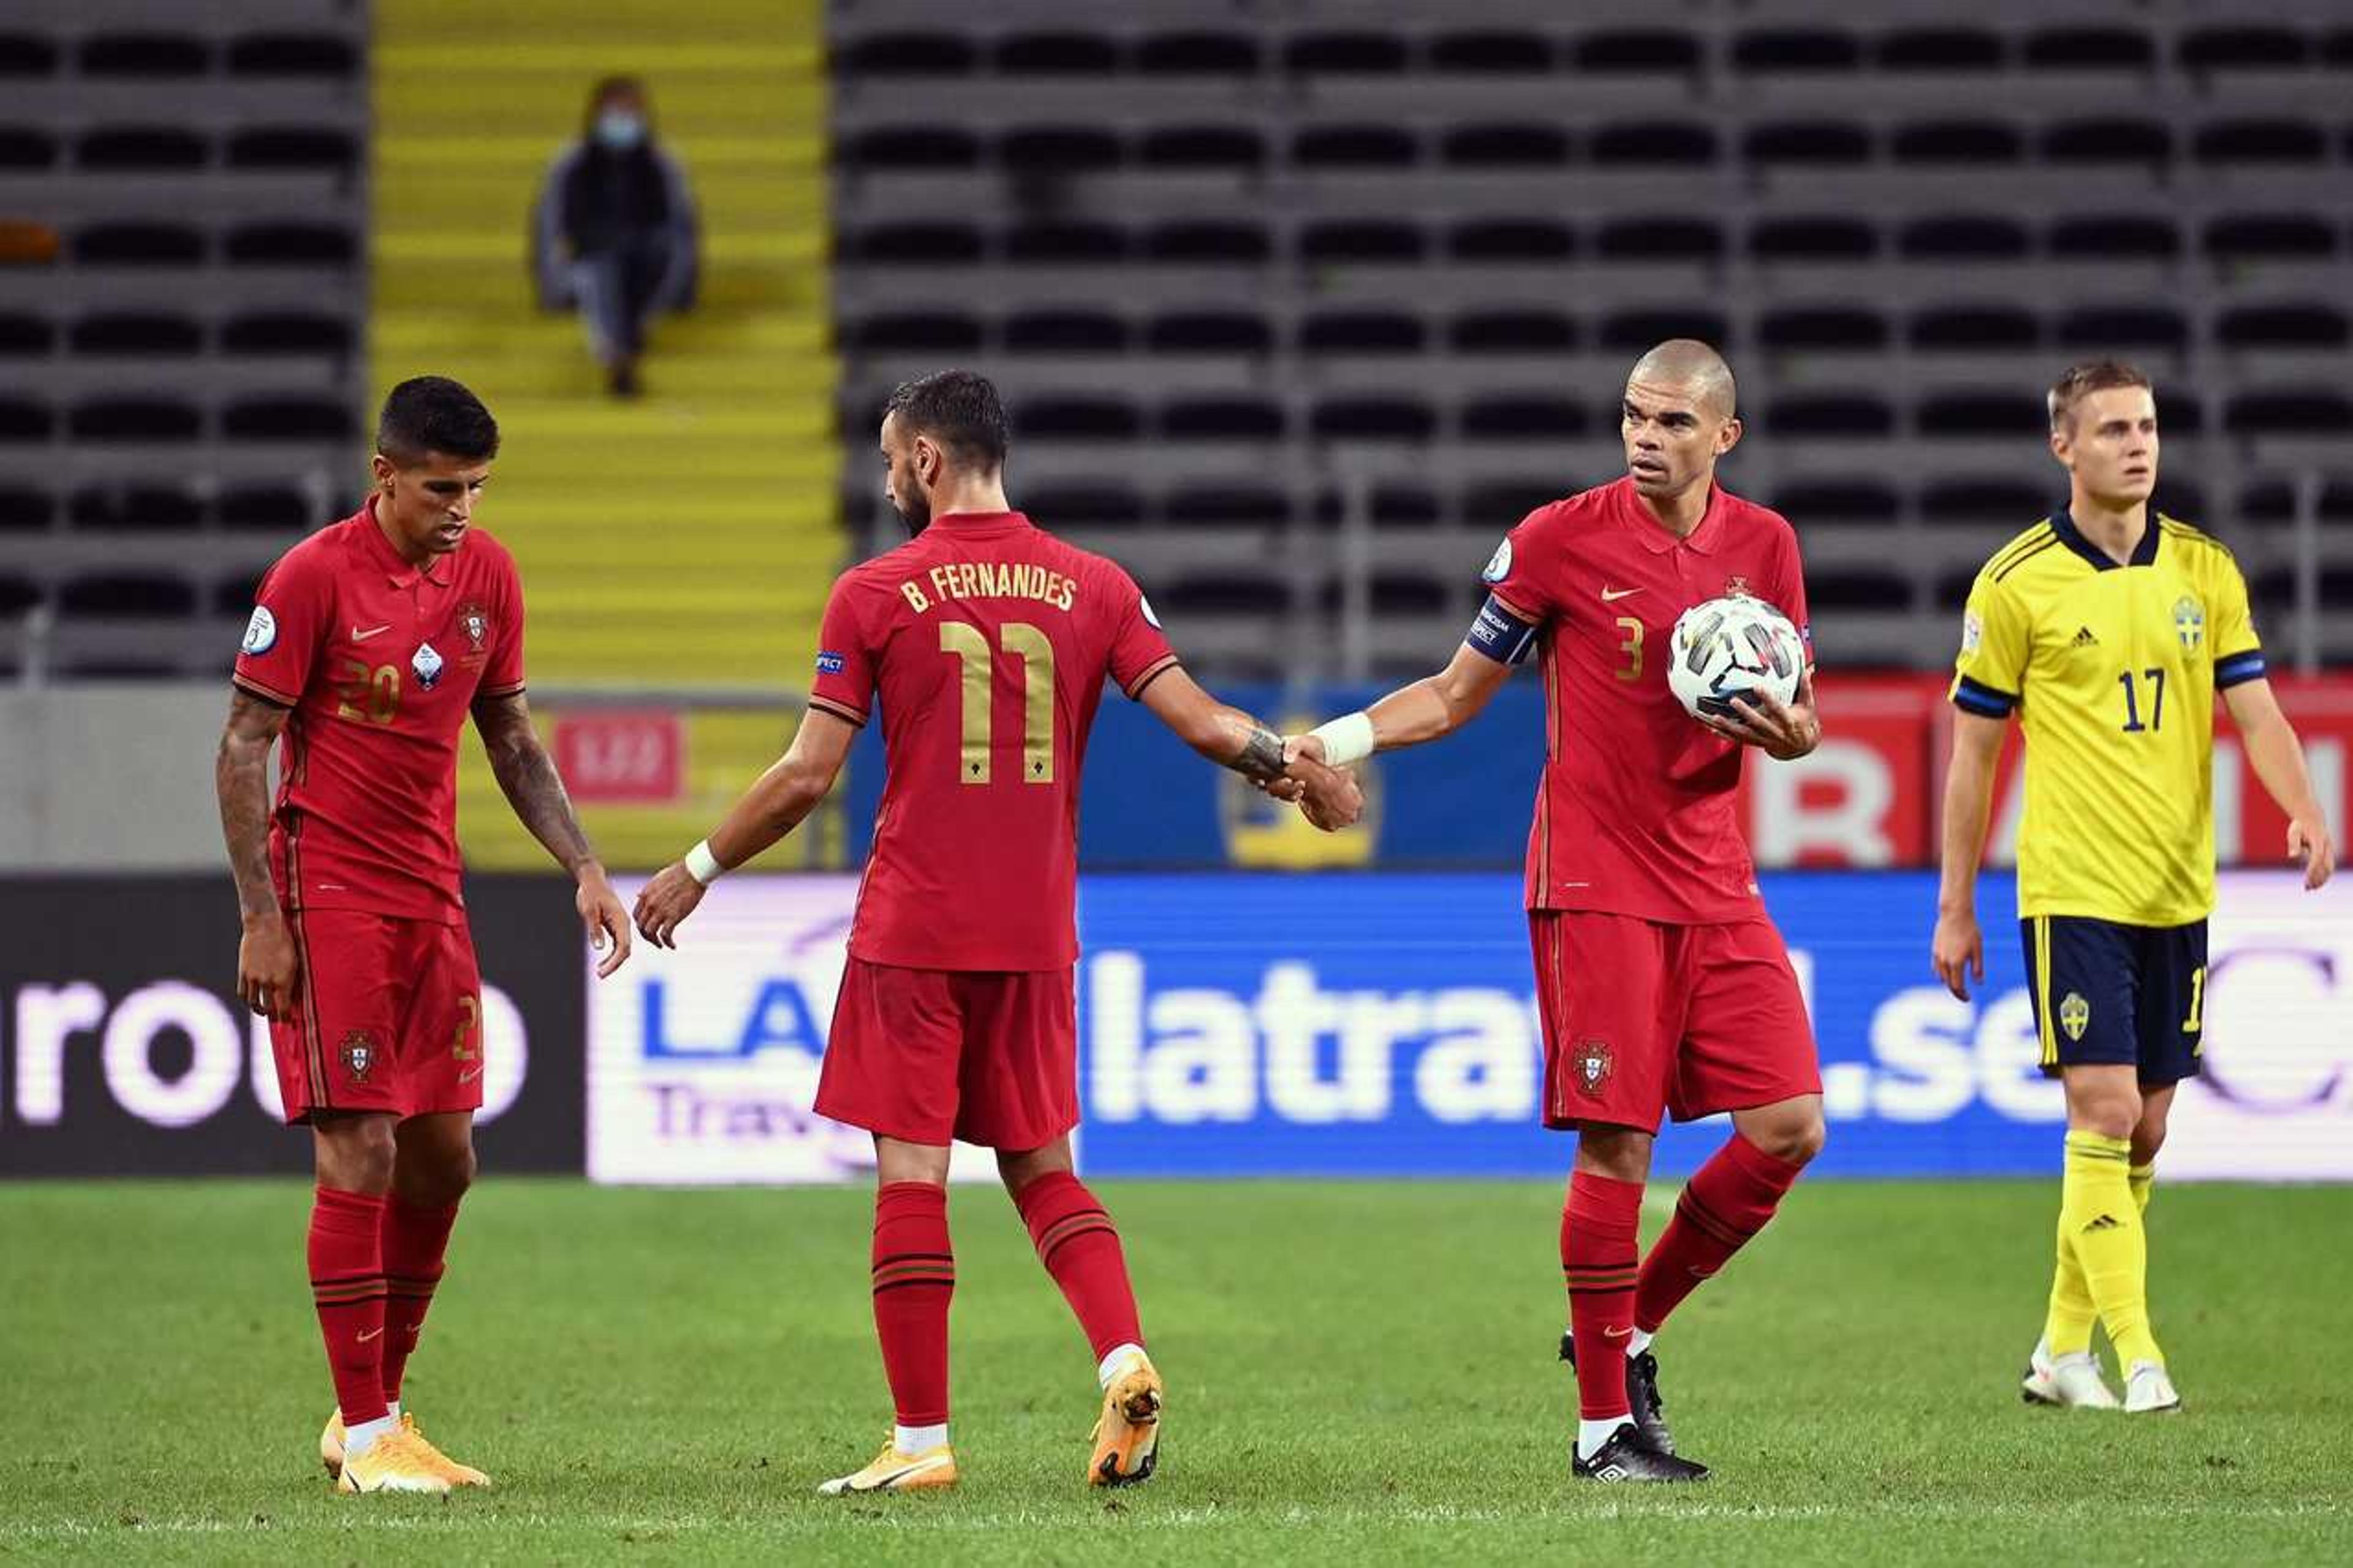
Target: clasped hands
point(1327, 796)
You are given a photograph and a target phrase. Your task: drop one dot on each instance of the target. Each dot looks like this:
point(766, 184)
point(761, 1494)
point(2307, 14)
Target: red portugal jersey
point(985, 640)
point(1635, 813)
point(380, 662)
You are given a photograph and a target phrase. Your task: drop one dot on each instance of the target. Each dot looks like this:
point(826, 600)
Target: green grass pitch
point(1358, 1373)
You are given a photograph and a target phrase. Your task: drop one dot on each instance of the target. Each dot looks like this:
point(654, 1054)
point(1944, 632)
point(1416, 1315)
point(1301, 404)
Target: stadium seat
point(1950, 589)
point(1939, 50)
point(2082, 48)
point(1975, 329)
point(1856, 587)
point(1362, 332)
point(2336, 48)
point(917, 244)
point(1085, 504)
point(1662, 142)
point(1225, 503)
point(1513, 332)
point(233, 594)
point(2289, 411)
point(1223, 593)
point(292, 147)
point(22, 419)
point(1967, 414)
point(270, 508)
point(1511, 240)
point(1812, 239)
point(1373, 418)
point(2177, 497)
point(1064, 331)
point(1209, 242)
point(907, 53)
point(915, 332)
point(1975, 143)
point(1987, 502)
point(18, 594)
point(1223, 418)
point(1197, 54)
point(27, 54)
point(2124, 327)
point(1638, 51)
point(23, 147)
point(1658, 239)
point(1402, 505)
point(1078, 419)
point(118, 508)
point(1821, 327)
point(2314, 326)
point(2111, 140)
point(1344, 54)
point(907, 147)
point(1643, 327)
point(134, 419)
point(1363, 240)
point(289, 245)
point(136, 332)
point(2178, 414)
point(2250, 237)
point(1491, 53)
point(288, 418)
point(1525, 145)
point(25, 510)
point(1978, 236)
point(1815, 144)
point(2260, 142)
point(292, 54)
point(1055, 54)
point(140, 243)
point(1513, 417)
point(144, 55)
point(1829, 414)
point(23, 333)
point(287, 332)
point(1789, 51)
point(1354, 147)
point(126, 595)
point(2122, 236)
point(1837, 499)
point(1210, 332)
point(1067, 241)
point(1202, 147)
point(126, 149)
point(1393, 592)
point(1059, 150)
point(2242, 47)
point(1500, 503)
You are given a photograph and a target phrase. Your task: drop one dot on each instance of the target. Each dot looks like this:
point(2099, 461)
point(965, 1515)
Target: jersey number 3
point(1031, 646)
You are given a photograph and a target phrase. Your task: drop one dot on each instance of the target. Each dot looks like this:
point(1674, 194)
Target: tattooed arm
point(527, 776)
point(266, 968)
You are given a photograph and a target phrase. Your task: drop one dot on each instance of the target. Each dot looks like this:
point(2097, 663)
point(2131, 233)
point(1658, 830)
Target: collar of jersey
point(2062, 523)
point(979, 521)
point(1657, 539)
point(401, 573)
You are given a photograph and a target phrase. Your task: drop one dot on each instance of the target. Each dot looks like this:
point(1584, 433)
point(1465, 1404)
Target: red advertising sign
point(622, 756)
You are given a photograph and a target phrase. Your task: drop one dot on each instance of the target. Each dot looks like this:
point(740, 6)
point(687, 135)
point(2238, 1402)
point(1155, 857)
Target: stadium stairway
point(682, 543)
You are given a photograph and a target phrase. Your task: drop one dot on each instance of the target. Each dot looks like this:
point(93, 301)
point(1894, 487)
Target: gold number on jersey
point(370, 696)
point(1631, 648)
point(469, 1023)
point(1035, 652)
point(2197, 1020)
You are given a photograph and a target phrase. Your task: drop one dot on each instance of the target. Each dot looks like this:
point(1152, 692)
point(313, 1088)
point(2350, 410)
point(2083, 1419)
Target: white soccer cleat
point(2070, 1382)
point(2148, 1391)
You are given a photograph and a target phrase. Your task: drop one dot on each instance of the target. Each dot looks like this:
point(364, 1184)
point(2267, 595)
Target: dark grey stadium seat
point(1856, 587)
point(1658, 239)
point(1397, 591)
point(915, 332)
point(1829, 414)
point(1528, 329)
point(1197, 54)
point(1078, 419)
point(292, 147)
point(1974, 143)
point(1511, 240)
point(1067, 241)
point(1059, 150)
point(1055, 54)
point(1104, 503)
point(1856, 500)
point(140, 243)
point(1975, 329)
point(1362, 332)
point(1942, 50)
point(2108, 140)
point(911, 147)
point(23, 332)
point(1494, 52)
point(290, 245)
point(126, 595)
point(113, 508)
point(2311, 325)
point(1201, 147)
point(1638, 51)
point(287, 332)
point(1796, 50)
point(1397, 504)
point(908, 54)
point(2114, 236)
point(1209, 242)
point(1065, 331)
point(270, 509)
point(27, 54)
point(18, 594)
point(1234, 417)
point(233, 594)
point(292, 54)
point(1670, 143)
point(24, 147)
point(2178, 414)
point(2289, 411)
point(2180, 498)
point(2336, 48)
point(144, 55)
point(1372, 418)
point(1225, 503)
point(1813, 238)
point(1500, 503)
point(1344, 54)
point(127, 149)
point(1990, 502)
point(1210, 332)
point(1969, 236)
point(136, 332)
point(1529, 144)
point(2247, 237)
point(1511, 416)
point(917, 244)
point(134, 419)
point(1638, 329)
point(288, 418)
point(2097, 328)
point(1814, 143)
point(1818, 327)
point(2082, 48)
point(1223, 593)
point(1363, 240)
point(24, 419)
point(1355, 147)
point(2260, 142)
point(2244, 47)
point(1980, 413)
point(25, 509)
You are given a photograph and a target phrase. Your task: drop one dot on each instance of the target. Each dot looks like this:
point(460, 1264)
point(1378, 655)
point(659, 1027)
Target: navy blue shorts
point(2106, 994)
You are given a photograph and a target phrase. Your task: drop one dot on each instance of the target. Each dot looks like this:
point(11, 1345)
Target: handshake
point(1327, 796)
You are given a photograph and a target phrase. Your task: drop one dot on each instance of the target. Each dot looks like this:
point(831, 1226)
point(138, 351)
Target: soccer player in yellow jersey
point(2107, 629)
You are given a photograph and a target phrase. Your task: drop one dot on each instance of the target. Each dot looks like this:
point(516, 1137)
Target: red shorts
point(1641, 1018)
point(931, 1056)
point(389, 1018)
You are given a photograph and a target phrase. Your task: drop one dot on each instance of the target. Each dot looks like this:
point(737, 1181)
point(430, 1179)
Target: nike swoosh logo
point(1611, 595)
point(1616, 1334)
point(372, 1333)
point(469, 1077)
point(359, 635)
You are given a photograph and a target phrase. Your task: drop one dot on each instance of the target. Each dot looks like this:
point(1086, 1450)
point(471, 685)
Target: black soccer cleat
point(1641, 1394)
point(1627, 1457)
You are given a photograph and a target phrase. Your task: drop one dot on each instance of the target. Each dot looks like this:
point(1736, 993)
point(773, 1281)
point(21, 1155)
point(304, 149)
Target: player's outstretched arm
point(1959, 950)
point(1232, 738)
point(2278, 757)
point(1430, 709)
point(778, 801)
point(527, 774)
point(267, 970)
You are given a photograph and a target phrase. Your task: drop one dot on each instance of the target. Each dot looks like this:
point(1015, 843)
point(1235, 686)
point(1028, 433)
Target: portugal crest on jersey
point(2074, 1014)
point(358, 1053)
point(2189, 623)
point(475, 622)
point(1592, 1064)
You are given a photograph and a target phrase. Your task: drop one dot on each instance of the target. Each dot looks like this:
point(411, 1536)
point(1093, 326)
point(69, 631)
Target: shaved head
point(1689, 363)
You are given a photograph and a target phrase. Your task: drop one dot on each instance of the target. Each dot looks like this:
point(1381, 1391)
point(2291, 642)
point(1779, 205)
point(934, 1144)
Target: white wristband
point(702, 865)
point(1347, 740)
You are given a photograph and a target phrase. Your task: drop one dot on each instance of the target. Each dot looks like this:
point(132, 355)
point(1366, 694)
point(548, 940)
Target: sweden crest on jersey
point(2189, 623)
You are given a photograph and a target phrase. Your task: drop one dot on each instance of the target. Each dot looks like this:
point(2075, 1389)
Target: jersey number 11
point(1035, 652)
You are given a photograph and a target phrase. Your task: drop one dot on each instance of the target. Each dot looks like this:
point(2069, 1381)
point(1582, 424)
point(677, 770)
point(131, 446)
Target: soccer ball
point(1731, 646)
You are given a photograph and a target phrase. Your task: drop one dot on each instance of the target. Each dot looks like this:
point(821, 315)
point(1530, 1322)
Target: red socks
point(348, 1287)
point(1726, 1204)
point(413, 1241)
point(1599, 1254)
point(1080, 1247)
point(915, 1275)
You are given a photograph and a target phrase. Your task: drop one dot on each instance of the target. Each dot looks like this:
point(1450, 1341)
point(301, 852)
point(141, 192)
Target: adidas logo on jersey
point(2083, 638)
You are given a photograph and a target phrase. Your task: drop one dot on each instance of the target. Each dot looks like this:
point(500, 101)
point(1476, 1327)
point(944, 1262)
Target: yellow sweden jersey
point(2112, 671)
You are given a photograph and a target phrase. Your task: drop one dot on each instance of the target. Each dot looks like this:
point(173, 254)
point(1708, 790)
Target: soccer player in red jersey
point(985, 642)
point(1661, 983)
point(370, 641)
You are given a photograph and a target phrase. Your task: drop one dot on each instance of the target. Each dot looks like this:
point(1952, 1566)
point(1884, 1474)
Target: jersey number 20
point(1031, 646)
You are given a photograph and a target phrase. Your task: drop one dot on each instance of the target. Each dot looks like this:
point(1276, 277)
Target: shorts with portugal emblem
point(388, 1018)
point(2110, 994)
point(936, 1055)
point(1642, 1018)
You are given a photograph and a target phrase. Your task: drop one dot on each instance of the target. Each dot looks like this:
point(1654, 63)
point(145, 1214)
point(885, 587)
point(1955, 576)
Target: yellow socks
point(2100, 1217)
point(2067, 1330)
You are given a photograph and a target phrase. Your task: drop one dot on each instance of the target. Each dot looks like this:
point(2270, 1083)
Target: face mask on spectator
point(620, 129)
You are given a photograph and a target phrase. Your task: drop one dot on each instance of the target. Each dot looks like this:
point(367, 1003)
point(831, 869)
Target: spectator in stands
point(613, 234)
